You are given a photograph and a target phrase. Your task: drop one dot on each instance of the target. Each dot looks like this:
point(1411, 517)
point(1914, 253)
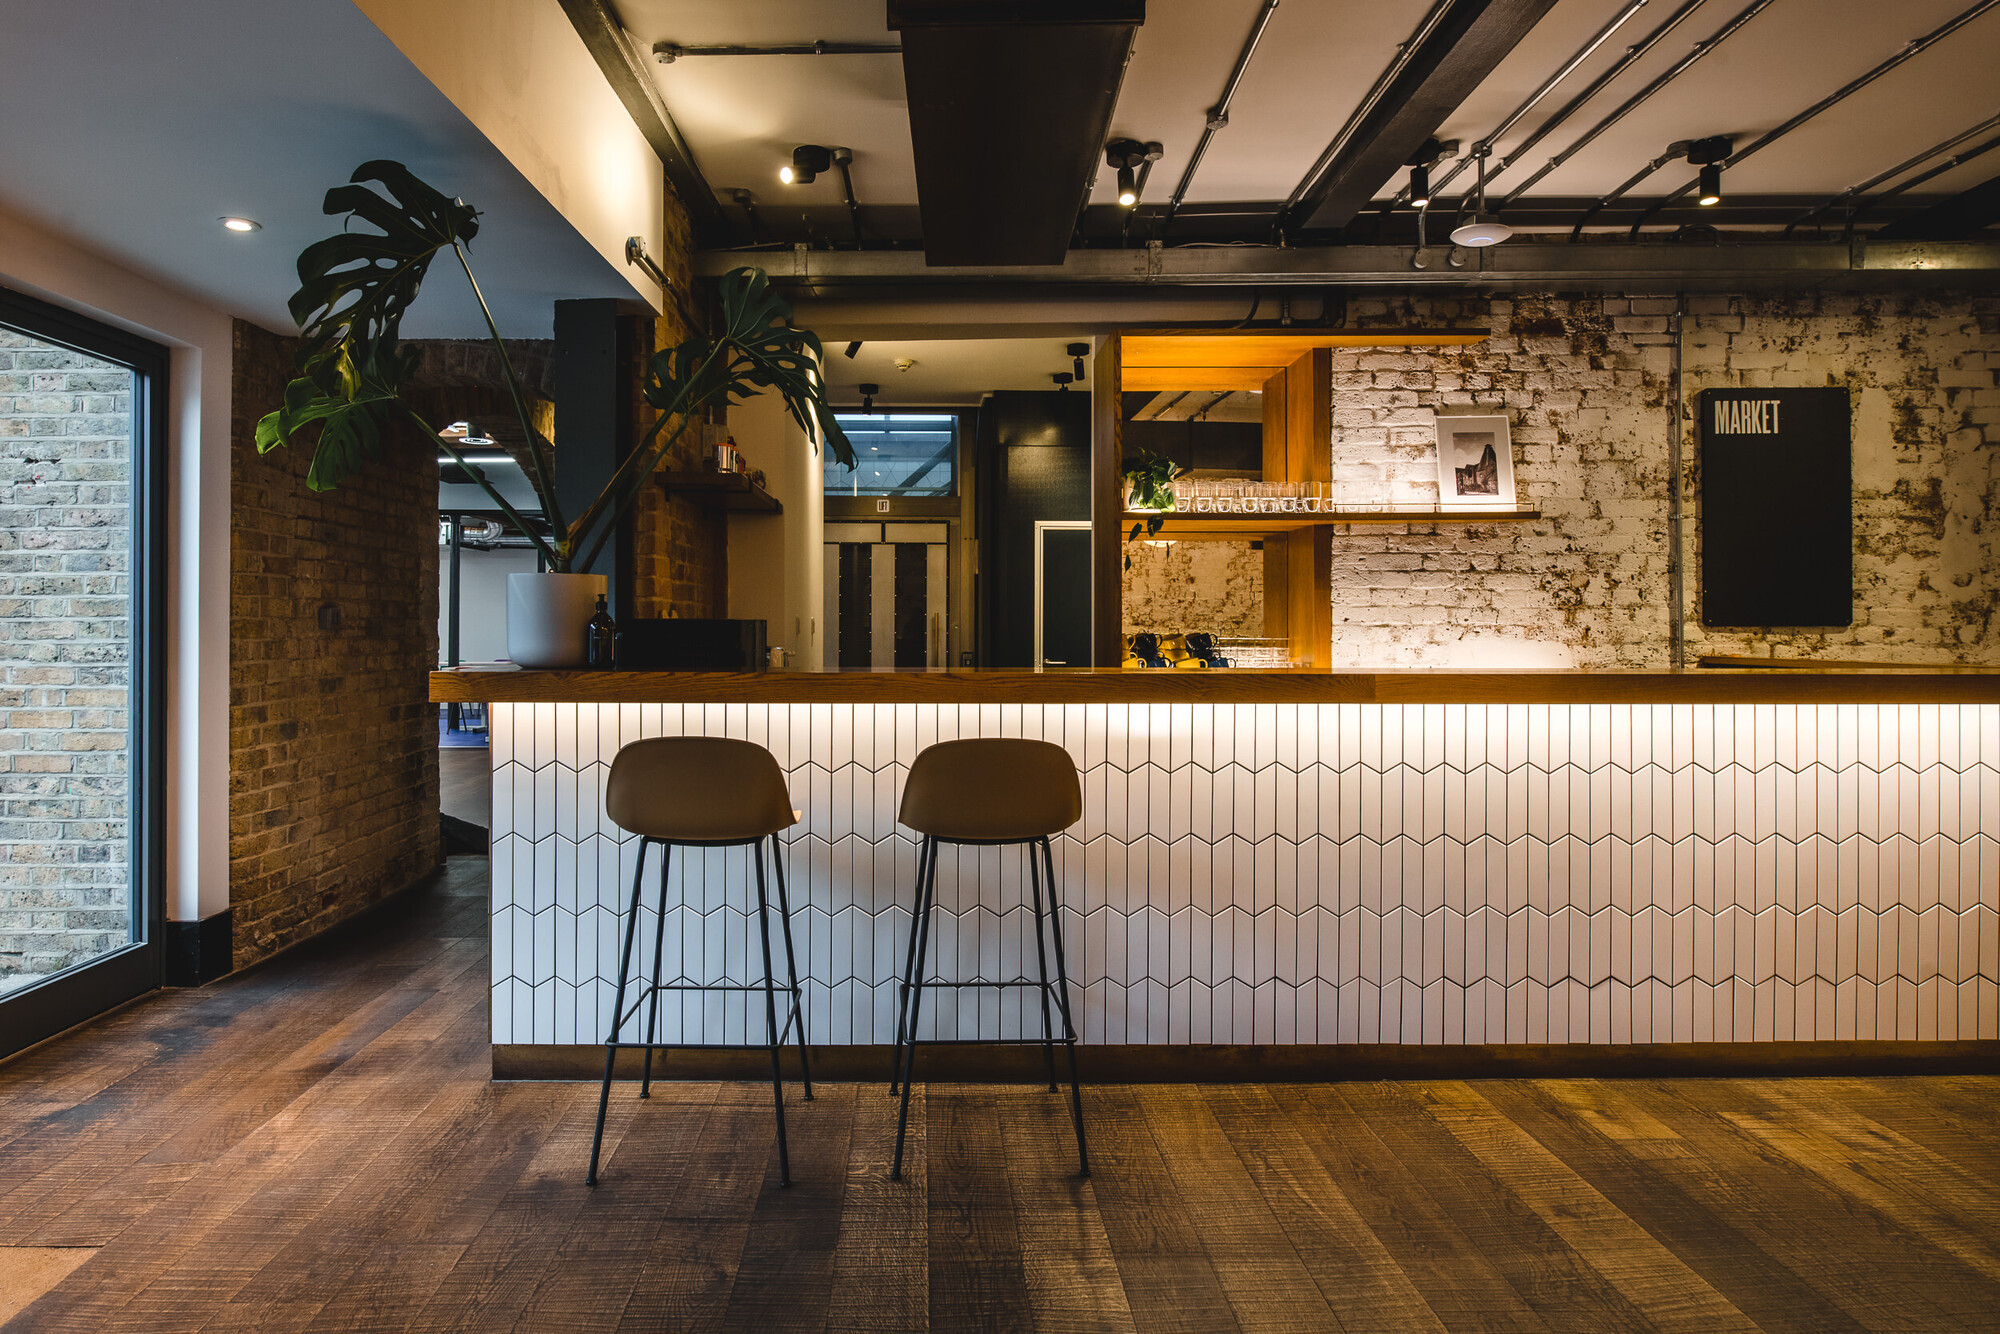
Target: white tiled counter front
point(1316, 873)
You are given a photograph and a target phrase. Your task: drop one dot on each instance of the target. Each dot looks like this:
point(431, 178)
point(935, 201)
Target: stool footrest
point(1023, 982)
point(999, 1042)
point(695, 1046)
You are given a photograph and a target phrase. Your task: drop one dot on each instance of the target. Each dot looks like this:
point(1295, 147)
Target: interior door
point(886, 598)
point(1062, 594)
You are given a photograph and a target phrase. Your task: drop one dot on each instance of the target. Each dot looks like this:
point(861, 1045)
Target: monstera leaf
point(353, 291)
point(352, 406)
point(356, 285)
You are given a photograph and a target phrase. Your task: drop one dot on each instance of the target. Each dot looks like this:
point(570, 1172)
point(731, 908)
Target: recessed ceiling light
point(242, 225)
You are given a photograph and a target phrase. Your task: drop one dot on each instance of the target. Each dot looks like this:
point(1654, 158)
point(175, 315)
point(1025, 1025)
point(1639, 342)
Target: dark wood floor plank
point(1169, 1282)
point(881, 1270)
point(1364, 1285)
point(784, 1277)
point(1067, 1265)
point(1555, 1282)
point(316, 1144)
point(1816, 1222)
point(976, 1280)
point(1268, 1285)
point(1667, 1188)
point(1465, 1290)
point(1652, 1278)
point(1923, 1112)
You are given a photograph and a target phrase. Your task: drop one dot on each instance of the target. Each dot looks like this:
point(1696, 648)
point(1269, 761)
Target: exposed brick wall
point(679, 550)
point(333, 743)
point(1586, 383)
point(65, 654)
point(1212, 586)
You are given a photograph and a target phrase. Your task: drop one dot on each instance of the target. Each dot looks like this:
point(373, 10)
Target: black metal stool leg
point(791, 963)
point(771, 1012)
point(659, 943)
point(923, 927)
point(925, 851)
point(617, 1014)
point(1042, 958)
point(1069, 1023)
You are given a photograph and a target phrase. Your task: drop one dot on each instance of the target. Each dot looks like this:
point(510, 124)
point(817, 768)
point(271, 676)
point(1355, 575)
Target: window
point(897, 454)
point(81, 577)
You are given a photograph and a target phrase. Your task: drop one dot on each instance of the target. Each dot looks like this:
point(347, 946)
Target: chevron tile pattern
point(1313, 873)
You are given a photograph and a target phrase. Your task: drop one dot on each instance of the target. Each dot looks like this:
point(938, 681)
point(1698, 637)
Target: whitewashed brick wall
point(1586, 383)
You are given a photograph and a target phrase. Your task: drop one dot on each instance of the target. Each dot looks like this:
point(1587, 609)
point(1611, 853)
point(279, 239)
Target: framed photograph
point(1475, 463)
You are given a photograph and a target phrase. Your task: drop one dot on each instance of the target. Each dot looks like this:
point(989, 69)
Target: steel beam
point(1516, 264)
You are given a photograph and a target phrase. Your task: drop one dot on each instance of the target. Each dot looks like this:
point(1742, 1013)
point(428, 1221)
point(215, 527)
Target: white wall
point(198, 337)
point(776, 562)
point(482, 605)
point(519, 72)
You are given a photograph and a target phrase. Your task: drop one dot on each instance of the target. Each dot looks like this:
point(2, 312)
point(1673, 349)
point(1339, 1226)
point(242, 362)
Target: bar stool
point(986, 791)
point(702, 792)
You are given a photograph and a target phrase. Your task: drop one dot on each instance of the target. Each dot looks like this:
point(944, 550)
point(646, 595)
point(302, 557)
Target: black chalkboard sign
point(1777, 509)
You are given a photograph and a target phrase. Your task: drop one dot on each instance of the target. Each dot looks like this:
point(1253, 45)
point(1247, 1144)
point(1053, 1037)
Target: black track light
point(1420, 186)
point(1711, 185)
point(852, 349)
point(1127, 157)
point(1709, 154)
point(808, 161)
point(868, 392)
point(1076, 353)
point(1062, 379)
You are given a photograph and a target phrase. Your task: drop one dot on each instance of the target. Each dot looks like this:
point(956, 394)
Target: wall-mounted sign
point(1777, 509)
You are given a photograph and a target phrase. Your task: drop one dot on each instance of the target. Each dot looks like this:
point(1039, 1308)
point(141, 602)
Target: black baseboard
point(1281, 1064)
point(198, 952)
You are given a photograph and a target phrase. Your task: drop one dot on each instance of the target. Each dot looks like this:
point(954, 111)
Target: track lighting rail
point(1845, 196)
point(1839, 95)
point(1632, 103)
point(668, 52)
point(1218, 115)
point(1586, 51)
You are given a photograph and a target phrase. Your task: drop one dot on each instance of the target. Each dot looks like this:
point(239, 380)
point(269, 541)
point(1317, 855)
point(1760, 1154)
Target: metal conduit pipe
point(1513, 118)
point(1632, 103)
point(1404, 54)
point(1674, 153)
point(1956, 159)
point(1834, 201)
point(1839, 95)
point(1218, 115)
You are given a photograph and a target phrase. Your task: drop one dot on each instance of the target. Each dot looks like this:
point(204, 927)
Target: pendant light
point(1482, 230)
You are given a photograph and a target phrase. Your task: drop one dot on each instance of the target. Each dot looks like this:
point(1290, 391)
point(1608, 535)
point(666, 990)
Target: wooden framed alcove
point(1294, 371)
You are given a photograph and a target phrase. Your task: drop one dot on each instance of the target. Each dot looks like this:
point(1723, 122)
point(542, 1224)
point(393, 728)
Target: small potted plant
point(354, 288)
point(1149, 486)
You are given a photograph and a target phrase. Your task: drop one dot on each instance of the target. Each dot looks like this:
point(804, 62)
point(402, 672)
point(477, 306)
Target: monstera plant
point(356, 286)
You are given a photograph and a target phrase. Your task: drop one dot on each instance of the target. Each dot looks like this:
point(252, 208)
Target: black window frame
point(43, 1009)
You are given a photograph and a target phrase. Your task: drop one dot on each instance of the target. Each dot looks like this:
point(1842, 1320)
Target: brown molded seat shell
point(991, 790)
point(698, 789)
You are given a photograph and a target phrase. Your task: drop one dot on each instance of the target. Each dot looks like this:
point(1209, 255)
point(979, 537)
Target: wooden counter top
point(1826, 685)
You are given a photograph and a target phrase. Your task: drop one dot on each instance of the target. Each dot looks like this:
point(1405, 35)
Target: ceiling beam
point(1010, 105)
point(1464, 46)
point(1518, 264)
point(629, 77)
point(1959, 218)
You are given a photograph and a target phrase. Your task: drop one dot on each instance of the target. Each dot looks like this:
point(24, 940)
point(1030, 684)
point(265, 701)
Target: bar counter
point(1307, 860)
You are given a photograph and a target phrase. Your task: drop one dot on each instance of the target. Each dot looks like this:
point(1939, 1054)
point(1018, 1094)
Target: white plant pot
point(548, 616)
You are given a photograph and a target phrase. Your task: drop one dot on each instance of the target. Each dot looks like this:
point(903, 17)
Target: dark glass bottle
point(602, 637)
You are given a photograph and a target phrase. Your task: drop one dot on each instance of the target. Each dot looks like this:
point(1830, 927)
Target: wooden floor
point(465, 783)
point(315, 1146)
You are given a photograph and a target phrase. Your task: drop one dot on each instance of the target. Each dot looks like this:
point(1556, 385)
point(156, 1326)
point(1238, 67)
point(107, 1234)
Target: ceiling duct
point(1010, 107)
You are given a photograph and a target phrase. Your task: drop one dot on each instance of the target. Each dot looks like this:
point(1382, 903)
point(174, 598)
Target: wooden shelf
point(1187, 527)
point(721, 491)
